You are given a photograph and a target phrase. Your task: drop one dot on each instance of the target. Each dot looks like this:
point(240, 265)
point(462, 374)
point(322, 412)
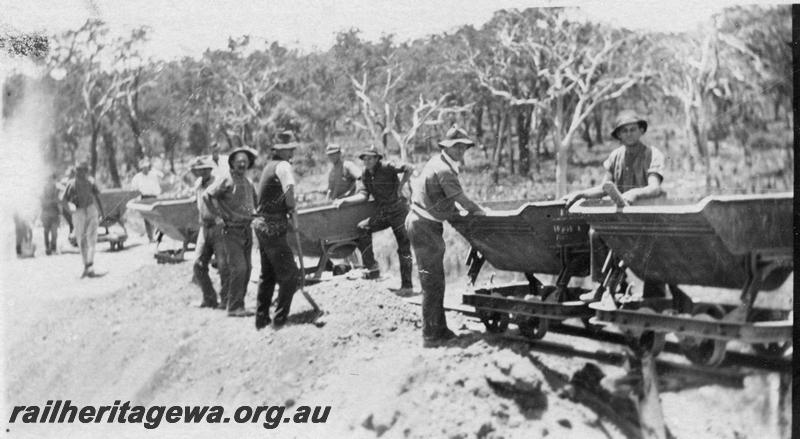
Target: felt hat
point(333, 148)
point(626, 117)
point(201, 163)
point(251, 154)
point(370, 151)
point(455, 136)
point(285, 136)
point(279, 146)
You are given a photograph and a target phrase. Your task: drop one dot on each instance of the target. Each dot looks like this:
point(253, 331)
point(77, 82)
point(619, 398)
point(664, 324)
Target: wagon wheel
point(533, 327)
point(495, 321)
point(646, 341)
point(774, 349)
point(704, 351)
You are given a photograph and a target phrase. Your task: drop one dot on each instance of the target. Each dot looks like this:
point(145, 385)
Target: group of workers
point(232, 210)
point(232, 205)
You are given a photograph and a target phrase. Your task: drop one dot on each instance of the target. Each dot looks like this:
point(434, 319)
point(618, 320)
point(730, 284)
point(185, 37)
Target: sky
point(187, 27)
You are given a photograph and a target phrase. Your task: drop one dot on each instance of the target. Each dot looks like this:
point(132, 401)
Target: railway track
point(733, 367)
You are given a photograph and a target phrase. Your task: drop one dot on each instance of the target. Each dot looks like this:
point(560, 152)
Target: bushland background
point(538, 89)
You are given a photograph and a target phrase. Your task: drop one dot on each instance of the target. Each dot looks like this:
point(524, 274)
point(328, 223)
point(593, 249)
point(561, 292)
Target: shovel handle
point(302, 265)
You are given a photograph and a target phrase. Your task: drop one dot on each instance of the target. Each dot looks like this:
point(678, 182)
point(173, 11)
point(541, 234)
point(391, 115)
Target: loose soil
point(137, 335)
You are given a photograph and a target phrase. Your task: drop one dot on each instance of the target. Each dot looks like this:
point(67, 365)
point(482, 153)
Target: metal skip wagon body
point(741, 242)
point(533, 238)
point(114, 202)
point(177, 218)
point(328, 232)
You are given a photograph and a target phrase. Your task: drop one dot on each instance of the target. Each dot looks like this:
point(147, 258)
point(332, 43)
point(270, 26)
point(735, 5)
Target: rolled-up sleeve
point(656, 164)
point(285, 175)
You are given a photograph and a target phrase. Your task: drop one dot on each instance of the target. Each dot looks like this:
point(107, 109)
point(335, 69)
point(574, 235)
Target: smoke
point(24, 132)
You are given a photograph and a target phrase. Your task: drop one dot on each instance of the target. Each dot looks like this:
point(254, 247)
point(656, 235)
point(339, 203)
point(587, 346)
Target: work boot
point(262, 320)
point(279, 322)
point(372, 273)
point(439, 340)
point(403, 291)
point(211, 305)
point(241, 312)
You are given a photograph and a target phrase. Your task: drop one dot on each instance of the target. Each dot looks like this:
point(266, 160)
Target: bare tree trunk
point(509, 142)
point(111, 156)
point(93, 148)
point(699, 134)
point(598, 124)
point(587, 133)
point(497, 156)
point(524, 116)
point(563, 149)
point(479, 122)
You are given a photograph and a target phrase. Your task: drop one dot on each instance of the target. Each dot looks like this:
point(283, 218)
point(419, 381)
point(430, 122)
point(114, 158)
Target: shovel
point(302, 265)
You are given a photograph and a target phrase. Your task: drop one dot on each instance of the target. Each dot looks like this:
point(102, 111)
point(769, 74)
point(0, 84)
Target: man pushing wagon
point(637, 170)
point(433, 201)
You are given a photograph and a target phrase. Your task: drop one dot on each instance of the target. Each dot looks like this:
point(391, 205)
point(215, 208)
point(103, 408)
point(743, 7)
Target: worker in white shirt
point(148, 183)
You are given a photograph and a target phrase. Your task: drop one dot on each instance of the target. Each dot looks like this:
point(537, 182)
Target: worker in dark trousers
point(433, 201)
point(209, 240)
point(51, 212)
point(380, 180)
point(232, 198)
point(276, 202)
point(637, 170)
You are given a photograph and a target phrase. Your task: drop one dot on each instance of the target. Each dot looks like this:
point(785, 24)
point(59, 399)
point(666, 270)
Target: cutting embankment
point(147, 342)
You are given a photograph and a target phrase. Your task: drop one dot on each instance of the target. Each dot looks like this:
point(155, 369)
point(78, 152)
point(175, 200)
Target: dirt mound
point(149, 343)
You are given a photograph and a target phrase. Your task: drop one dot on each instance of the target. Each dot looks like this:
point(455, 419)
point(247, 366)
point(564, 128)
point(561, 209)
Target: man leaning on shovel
point(276, 202)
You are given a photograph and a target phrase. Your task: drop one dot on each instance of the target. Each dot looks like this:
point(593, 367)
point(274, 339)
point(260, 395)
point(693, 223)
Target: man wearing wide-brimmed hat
point(343, 174)
point(433, 201)
point(232, 199)
point(380, 181)
point(209, 239)
point(83, 193)
point(637, 170)
point(148, 182)
point(276, 202)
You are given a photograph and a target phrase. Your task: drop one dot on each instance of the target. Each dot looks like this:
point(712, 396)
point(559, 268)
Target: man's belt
point(148, 196)
point(419, 210)
point(236, 225)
